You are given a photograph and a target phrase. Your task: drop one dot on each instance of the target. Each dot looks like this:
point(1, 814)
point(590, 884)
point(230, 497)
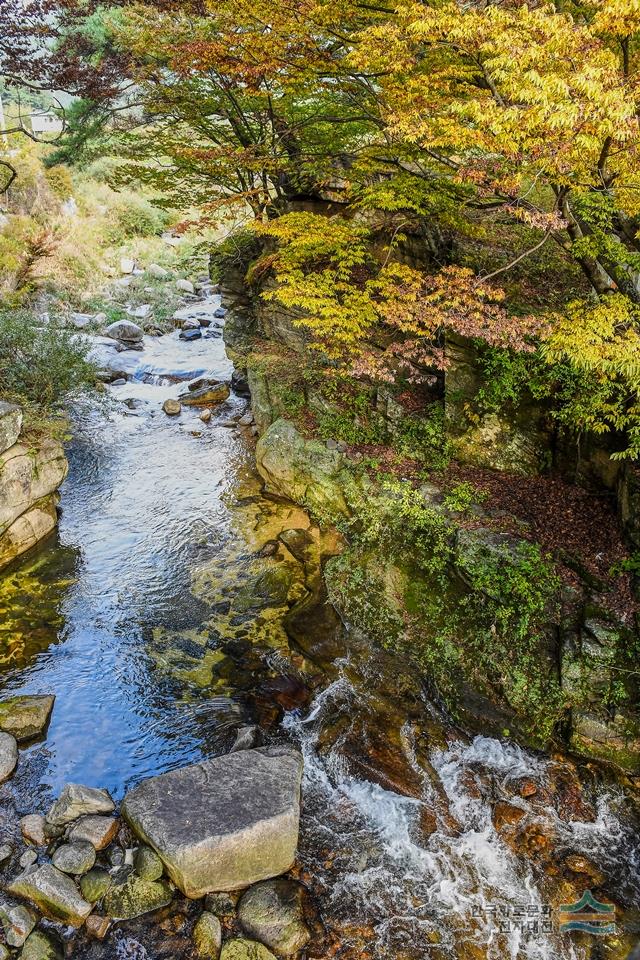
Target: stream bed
point(159, 617)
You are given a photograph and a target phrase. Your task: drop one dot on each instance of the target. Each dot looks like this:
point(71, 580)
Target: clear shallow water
point(142, 505)
point(119, 616)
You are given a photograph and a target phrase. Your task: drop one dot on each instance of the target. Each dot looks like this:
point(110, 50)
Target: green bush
point(138, 217)
point(41, 366)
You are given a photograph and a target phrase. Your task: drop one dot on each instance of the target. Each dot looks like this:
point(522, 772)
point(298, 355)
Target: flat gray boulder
point(224, 823)
point(53, 893)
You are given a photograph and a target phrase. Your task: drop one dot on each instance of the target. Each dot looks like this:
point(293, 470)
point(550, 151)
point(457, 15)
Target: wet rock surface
point(25, 717)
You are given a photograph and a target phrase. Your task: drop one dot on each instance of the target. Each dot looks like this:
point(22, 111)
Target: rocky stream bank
point(180, 614)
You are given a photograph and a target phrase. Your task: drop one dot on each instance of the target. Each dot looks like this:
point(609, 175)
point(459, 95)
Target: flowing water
point(157, 617)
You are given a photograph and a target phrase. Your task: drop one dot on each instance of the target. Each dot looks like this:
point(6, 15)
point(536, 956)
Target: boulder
point(241, 949)
point(26, 716)
point(127, 265)
point(224, 823)
point(76, 858)
point(204, 391)
point(36, 523)
point(41, 946)
point(135, 897)
point(98, 831)
point(76, 801)
point(172, 407)
point(205, 416)
point(95, 884)
point(17, 923)
point(8, 755)
point(125, 331)
point(10, 424)
point(5, 852)
point(157, 272)
point(272, 912)
point(240, 383)
point(53, 893)
point(185, 286)
point(190, 324)
point(33, 829)
point(207, 936)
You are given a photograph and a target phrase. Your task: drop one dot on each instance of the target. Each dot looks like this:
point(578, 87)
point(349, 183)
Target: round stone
point(76, 858)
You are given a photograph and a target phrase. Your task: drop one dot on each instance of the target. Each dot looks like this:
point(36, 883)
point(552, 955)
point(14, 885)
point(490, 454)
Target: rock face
point(10, 424)
point(301, 470)
point(28, 481)
point(272, 913)
point(222, 824)
point(53, 893)
point(8, 755)
point(26, 717)
point(76, 801)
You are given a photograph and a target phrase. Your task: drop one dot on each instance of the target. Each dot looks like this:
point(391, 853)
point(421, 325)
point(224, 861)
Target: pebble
point(98, 831)
point(97, 927)
point(205, 416)
point(28, 858)
point(172, 407)
point(147, 863)
point(5, 852)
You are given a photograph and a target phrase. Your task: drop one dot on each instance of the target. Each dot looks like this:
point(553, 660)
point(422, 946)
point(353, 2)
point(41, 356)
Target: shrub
point(138, 217)
point(41, 366)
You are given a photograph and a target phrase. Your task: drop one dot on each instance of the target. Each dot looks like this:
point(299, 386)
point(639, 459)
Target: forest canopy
point(336, 129)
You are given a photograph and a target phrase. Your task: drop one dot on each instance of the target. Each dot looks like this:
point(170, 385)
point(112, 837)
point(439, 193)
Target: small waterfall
point(454, 886)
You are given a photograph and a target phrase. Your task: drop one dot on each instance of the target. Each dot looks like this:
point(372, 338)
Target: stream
point(157, 616)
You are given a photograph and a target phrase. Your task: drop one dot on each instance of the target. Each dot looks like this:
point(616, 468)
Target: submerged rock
point(223, 823)
point(53, 893)
point(76, 801)
point(17, 923)
point(26, 717)
point(207, 936)
point(98, 831)
point(272, 912)
point(75, 858)
point(8, 755)
point(242, 949)
point(136, 897)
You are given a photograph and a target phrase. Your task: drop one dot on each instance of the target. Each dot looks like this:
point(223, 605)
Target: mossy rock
point(136, 897)
point(242, 949)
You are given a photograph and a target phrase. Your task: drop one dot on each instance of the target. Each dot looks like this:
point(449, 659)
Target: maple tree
point(410, 115)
